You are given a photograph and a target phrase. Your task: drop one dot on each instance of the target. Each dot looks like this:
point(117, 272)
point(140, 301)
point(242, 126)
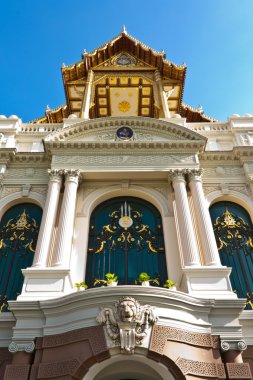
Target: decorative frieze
point(239, 371)
point(223, 171)
point(17, 371)
point(129, 159)
point(162, 334)
point(58, 369)
point(199, 368)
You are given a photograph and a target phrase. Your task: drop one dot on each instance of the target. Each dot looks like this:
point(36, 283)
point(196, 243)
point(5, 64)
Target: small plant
point(144, 277)
point(80, 285)
point(169, 284)
point(110, 278)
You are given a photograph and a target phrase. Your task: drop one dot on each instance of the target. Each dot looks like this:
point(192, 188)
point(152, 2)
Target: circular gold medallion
point(125, 221)
point(124, 106)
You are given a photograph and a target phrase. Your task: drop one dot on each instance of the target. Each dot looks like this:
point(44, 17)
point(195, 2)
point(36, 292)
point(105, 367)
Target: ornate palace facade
point(125, 180)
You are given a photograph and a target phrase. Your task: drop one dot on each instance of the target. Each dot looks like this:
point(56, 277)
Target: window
point(19, 230)
point(234, 237)
point(125, 238)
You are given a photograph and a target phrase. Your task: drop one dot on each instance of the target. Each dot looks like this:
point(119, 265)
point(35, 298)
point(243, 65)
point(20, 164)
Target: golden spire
point(124, 31)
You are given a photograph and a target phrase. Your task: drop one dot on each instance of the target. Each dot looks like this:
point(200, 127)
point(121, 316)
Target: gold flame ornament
point(125, 221)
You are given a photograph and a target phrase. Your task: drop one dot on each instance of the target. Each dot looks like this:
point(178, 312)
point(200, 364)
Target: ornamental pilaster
point(48, 219)
point(164, 102)
point(204, 223)
point(87, 96)
point(185, 225)
point(62, 250)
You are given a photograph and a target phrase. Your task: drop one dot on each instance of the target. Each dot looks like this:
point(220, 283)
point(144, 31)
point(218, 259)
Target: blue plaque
point(124, 133)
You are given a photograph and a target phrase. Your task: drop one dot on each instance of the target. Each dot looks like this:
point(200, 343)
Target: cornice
point(218, 156)
point(239, 153)
point(244, 153)
point(160, 147)
point(30, 157)
point(104, 295)
point(7, 154)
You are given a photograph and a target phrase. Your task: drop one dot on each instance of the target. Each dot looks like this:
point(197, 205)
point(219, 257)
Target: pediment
point(147, 132)
point(124, 60)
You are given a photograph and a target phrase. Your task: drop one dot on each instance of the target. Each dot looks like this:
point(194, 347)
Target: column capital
point(55, 175)
point(27, 346)
point(195, 174)
point(177, 175)
point(72, 175)
point(230, 344)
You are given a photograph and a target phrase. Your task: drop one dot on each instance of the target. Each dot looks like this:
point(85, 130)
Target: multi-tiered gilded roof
point(124, 72)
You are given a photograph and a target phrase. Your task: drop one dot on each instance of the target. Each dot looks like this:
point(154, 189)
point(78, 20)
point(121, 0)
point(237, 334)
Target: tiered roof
point(76, 74)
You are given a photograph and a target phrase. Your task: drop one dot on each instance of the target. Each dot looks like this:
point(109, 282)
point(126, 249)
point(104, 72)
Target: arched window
point(19, 230)
point(125, 238)
point(234, 237)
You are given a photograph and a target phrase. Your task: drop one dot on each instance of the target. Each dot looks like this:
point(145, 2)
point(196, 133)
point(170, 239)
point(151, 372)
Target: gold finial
point(124, 29)
point(229, 219)
point(200, 109)
point(84, 53)
point(22, 221)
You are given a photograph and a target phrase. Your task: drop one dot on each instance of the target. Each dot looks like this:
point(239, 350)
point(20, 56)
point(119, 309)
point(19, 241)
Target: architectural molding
point(147, 193)
point(16, 198)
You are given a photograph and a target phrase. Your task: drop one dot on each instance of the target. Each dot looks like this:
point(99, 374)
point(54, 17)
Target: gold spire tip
point(124, 29)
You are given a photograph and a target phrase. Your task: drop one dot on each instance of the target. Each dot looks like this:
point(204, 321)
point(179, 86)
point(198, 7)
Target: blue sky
point(213, 37)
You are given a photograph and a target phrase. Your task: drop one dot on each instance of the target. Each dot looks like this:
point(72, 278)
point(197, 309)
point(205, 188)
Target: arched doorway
point(125, 238)
point(233, 231)
point(135, 367)
point(19, 230)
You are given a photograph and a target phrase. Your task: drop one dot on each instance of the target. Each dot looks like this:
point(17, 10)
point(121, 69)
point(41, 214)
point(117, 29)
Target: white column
point(87, 96)
point(164, 101)
point(48, 219)
point(187, 236)
point(205, 227)
point(62, 250)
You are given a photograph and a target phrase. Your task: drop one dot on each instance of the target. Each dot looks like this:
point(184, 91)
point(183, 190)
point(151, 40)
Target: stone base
point(207, 282)
point(42, 284)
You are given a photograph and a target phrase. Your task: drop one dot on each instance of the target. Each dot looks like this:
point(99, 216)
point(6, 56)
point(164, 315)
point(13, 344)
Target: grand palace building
point(125, 183)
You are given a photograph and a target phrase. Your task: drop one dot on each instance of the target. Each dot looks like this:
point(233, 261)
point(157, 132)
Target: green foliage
point(145, 277)
point(110, 277)
point(81, 285)
point(169, 284)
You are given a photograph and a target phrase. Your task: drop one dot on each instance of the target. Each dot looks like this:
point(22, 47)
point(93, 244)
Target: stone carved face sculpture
point(127, 309)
